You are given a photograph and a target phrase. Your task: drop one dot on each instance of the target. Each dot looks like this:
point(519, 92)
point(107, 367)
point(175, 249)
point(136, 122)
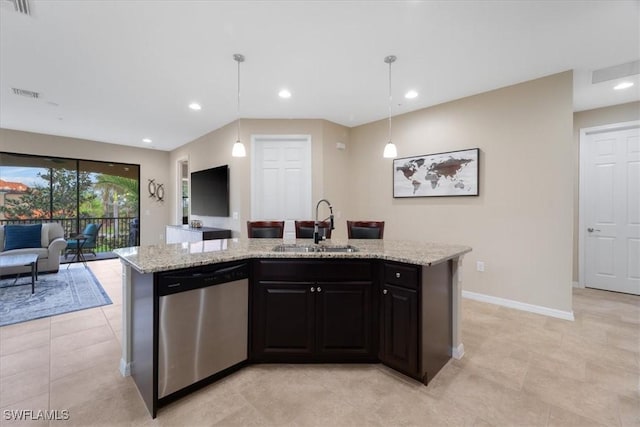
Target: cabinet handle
point(313, 289)
point(384, 291)
point(319, 289)
point(397, 275)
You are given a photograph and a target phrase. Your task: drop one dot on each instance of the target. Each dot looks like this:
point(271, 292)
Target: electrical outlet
point(235, 215)
point(480, 265)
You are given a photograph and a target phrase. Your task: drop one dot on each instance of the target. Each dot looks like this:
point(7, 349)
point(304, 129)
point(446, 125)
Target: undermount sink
point(314, 248)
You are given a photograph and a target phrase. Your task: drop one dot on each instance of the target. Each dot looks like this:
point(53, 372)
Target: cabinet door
point(400, 328)
point(284, 321)
point(344, 320)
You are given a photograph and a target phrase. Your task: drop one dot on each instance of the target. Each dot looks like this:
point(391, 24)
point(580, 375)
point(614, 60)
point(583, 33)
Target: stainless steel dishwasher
point(203, 323)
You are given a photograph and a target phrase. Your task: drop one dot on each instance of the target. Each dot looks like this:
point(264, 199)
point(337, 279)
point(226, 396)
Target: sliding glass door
point(74, 193)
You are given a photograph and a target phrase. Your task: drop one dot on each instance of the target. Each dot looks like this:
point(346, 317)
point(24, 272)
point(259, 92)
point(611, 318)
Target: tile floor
point(519, 369)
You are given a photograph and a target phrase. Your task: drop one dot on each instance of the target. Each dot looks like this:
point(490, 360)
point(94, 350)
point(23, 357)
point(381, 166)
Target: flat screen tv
point(210, 192)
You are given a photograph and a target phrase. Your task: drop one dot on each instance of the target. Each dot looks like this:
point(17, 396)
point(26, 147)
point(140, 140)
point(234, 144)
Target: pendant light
point(238, 148)
point(390, 150)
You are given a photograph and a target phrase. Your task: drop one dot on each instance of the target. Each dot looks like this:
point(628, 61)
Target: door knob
point(313, 289)
point(319, 289)
point(397, 275)
point(385, 291)
point(591, 230)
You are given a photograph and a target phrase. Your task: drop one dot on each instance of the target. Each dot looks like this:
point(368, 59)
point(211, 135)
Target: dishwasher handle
point(186, 280)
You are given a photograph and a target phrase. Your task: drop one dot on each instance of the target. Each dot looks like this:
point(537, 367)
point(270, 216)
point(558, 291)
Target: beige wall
point(153, 165)
point(521, 225)
point(586, 119)
point(214, 149)
point(336, 173)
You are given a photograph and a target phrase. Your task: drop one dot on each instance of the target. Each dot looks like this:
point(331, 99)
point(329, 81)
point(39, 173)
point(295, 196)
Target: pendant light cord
point(238, 109)
point(390, 100)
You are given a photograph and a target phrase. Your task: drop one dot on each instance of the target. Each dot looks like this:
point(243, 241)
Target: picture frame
point(452, 173)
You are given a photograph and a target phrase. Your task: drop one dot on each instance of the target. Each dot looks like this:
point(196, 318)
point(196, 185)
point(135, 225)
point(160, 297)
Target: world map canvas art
point(454, 173)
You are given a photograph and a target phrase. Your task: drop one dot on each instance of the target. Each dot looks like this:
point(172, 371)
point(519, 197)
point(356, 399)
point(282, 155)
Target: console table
point(184, 233)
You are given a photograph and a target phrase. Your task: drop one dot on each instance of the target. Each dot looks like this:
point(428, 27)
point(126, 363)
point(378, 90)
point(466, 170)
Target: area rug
point(68, 290)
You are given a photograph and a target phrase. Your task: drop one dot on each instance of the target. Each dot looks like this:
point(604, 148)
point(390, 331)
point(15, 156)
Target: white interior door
point(281, 179)
point(610, 200)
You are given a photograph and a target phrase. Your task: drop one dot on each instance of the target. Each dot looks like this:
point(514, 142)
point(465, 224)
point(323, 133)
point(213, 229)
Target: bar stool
point(365, 229)
point(265, 229)
point(304, 229)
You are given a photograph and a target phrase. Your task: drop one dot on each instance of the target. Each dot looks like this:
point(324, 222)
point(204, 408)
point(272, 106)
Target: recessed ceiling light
point(195, 106)
point(284, 93)
point(411, 94)
point(147, 140)
point(623, 85)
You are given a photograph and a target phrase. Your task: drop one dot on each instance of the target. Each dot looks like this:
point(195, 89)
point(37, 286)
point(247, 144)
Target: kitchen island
point(360, 301)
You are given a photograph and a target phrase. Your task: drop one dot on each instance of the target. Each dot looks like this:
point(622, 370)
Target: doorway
point(182, 204)
point(610, 207)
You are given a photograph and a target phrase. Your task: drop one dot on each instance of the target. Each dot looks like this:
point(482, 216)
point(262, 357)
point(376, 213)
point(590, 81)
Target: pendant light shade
point(238, 148)
point(390, 150)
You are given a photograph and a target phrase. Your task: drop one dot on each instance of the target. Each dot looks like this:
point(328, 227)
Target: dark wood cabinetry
point(310, 311)
point(284, 319)
point(415, 319)
point(399, 318)
point(344, 320)
point(399, 329)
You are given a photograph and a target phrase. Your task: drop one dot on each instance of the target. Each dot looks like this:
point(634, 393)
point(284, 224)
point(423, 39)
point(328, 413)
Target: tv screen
point(210, 192)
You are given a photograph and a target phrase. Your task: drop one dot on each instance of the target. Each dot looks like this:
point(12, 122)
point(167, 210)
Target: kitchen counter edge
point(166, 257)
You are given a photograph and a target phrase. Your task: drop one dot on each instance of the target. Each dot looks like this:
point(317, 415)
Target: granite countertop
point(165, 257)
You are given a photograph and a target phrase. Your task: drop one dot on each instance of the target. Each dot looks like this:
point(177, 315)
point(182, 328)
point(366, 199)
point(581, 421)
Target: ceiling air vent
point(20, 6)
point(24, 92)
point(615, 72)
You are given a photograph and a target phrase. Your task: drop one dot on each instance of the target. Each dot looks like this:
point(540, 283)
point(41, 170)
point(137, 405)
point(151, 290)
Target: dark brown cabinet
point(415, 318)
point(343, 319)
point(302, 311)
point(399, 340)
point(285, 319)
point(399, 318)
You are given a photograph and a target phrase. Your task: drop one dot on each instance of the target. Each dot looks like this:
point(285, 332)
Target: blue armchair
point(88, 245)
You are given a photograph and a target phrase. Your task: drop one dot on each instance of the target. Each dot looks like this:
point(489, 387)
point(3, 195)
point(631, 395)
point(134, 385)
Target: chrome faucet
point(316, 224)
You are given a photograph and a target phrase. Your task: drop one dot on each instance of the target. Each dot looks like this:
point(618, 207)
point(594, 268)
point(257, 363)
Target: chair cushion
point(43, 253)
point(90, 231)
point(22, 236)
point(365, 233)
point(307, 232)
point(266, 232)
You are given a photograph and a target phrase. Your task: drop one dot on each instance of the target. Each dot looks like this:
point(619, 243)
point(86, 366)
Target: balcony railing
point(120, 232)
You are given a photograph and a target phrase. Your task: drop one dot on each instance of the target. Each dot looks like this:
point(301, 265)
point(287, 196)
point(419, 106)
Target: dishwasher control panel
point(172, 282)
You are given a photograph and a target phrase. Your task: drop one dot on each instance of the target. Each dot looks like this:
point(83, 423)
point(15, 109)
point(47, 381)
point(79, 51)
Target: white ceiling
point(120, 71)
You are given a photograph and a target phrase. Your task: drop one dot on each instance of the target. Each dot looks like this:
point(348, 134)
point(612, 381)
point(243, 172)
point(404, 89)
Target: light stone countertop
point(165, 257)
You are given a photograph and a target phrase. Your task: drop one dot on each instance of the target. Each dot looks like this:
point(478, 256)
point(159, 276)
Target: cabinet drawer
point(314, 270)
point(401, 275)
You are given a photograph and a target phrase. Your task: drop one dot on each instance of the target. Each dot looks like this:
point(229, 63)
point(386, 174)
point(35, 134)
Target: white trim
point(584, 132)
point(458, 352)
point(125, 368)
point(577, 285)
point(538, 309)
point(178, 211)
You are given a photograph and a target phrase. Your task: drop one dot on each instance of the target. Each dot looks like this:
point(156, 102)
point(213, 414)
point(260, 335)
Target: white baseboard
point(125, 368)
point(552, 312)
point(457, 352)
